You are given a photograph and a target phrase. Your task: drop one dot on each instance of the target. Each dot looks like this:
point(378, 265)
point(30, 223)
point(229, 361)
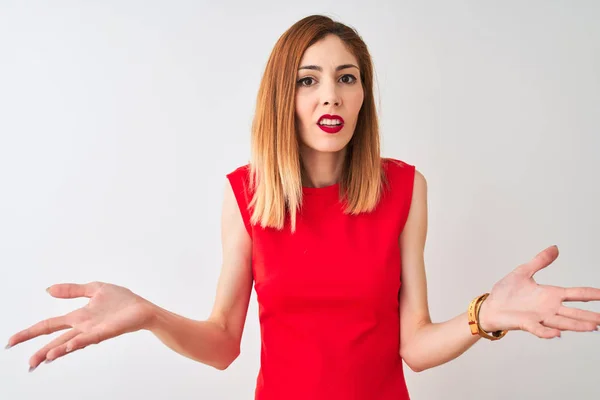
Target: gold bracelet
point(473, 313)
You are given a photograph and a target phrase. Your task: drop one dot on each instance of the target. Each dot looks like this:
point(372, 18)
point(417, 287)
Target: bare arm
point(516, 302)
point(216, 341)
point(424, 344)
point(115, 310)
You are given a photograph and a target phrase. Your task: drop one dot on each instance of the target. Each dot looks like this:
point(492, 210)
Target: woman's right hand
point(112, 311)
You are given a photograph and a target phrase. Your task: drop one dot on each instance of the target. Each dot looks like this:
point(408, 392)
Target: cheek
point(301, 110)
point(355, 102)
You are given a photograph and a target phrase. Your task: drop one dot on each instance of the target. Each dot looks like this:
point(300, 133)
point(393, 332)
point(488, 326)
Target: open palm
point(518, 302)
point(112, 311)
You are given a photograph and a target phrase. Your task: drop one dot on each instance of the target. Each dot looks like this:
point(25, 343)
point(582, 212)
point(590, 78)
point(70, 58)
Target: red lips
point(329, 116)
point(331, 129)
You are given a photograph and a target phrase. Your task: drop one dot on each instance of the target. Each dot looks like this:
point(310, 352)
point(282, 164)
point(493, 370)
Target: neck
point(321, 169)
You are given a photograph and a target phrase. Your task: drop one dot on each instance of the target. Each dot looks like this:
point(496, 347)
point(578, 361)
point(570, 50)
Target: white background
point(120, 119)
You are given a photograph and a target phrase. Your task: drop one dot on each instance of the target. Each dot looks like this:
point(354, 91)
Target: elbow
point(416, 367)
point(223, 364)
point(411, 351)
point(414, 362)
point(227, 350)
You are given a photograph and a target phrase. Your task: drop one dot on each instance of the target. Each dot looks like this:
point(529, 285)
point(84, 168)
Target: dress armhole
point(408, 189)
point(239, 184)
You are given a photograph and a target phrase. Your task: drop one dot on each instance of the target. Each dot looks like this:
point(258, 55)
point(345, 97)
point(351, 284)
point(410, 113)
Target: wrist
point(486, 317)
point(152, 316)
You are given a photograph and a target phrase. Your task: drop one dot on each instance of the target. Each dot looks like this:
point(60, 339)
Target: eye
point(352, 79)
point(302, 81)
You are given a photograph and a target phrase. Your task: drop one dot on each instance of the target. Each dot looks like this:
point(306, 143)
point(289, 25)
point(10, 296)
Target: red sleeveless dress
point(328, 295)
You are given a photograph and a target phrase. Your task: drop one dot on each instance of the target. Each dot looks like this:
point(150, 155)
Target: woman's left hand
point(517, 302)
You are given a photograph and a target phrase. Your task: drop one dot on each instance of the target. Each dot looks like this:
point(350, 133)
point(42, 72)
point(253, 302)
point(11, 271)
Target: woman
point(332, 236)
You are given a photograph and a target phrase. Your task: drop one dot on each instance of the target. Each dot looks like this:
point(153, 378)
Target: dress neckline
point(334, 188)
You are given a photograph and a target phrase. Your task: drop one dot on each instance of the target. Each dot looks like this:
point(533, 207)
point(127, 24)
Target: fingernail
point(31, 369)
point(8, 346)
point(48, 289)
point(69, 348)
point(48, 361)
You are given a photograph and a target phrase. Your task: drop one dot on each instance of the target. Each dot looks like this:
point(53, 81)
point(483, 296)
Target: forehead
point(328, 52)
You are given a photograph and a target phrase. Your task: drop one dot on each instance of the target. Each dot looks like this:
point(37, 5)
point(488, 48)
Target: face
point(329, 95)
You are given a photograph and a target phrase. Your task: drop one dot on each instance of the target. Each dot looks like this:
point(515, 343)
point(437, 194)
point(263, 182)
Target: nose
point(330, 95)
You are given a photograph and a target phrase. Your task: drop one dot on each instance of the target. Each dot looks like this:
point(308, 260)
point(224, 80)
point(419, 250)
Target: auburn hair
point(275, 166)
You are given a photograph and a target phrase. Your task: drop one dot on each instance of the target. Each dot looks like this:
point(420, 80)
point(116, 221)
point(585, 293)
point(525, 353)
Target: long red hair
point(275, 167)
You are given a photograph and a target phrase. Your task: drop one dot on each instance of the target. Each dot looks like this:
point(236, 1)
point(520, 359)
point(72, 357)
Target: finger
point(581, 294)
point(45, 327)
point(539, 330)
point(74, 290)
point(582, 315)
point(569, 324)
point(47, 353)
point(81, 341)
point(540, 261)
point(60, 350)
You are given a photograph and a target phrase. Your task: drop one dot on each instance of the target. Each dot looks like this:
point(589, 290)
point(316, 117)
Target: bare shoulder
point(419, 195)
point(415, 230)
point(420, 183)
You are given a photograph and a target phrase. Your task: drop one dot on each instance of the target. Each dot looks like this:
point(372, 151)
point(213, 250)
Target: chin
point(326, 143)
point(331, 145)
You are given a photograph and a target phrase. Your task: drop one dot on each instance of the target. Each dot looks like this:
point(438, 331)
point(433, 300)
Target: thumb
point(540, 261)
point(73, 290)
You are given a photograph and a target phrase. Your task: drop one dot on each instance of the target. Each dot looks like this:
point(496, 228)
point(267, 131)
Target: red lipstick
point(331, 128)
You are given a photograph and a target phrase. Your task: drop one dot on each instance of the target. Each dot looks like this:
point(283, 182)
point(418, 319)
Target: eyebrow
point(338, 68)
